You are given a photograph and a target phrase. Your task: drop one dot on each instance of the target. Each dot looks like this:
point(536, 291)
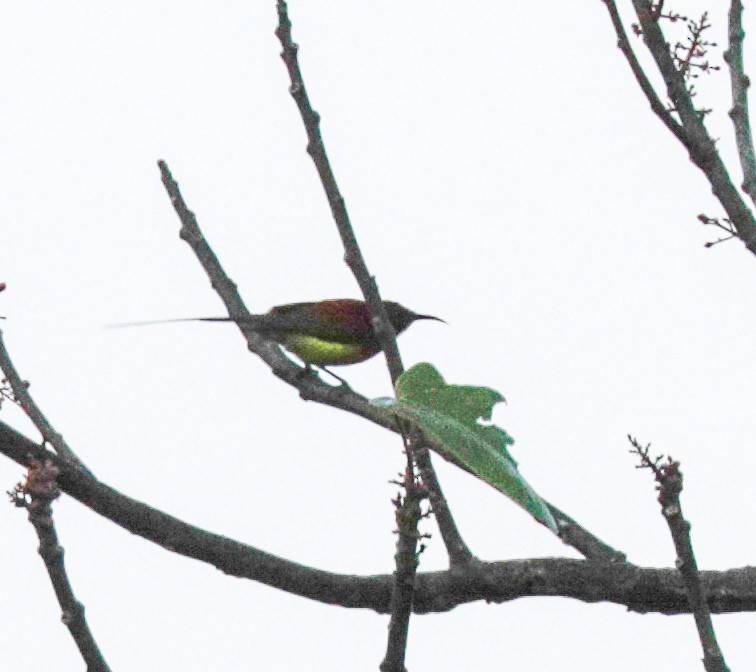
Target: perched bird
point(335, 332)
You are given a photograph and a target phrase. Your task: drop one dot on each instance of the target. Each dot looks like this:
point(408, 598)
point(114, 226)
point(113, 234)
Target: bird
point(333, 332)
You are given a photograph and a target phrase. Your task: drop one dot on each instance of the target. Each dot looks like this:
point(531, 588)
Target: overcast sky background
point(502, 171)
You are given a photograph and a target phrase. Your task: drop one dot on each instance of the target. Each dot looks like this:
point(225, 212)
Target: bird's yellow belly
point(318, 352)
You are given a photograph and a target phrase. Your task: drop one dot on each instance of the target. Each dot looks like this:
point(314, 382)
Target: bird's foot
point(310, 371)
point(343, 383)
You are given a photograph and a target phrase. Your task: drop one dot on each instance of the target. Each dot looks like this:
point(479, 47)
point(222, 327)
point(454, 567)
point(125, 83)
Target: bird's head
point(401, 317)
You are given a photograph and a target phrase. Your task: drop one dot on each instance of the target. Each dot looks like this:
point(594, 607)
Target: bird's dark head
point(401, 317)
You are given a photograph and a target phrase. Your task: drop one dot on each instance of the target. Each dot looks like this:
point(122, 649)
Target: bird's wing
point(337, 320)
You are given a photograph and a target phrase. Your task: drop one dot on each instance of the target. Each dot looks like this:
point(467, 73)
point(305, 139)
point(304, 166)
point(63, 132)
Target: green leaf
point(449, 416)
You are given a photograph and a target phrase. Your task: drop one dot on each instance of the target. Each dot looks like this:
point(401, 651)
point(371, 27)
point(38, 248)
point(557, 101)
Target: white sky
point(502, 171)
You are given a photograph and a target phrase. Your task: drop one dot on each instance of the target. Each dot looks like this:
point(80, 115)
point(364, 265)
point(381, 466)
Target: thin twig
point(689, 57)
point(670, 484)
point(739, 112)
point(267, 350)
point(36, 495)
point(384, 330)
point(648, 90)
point(584, 542)
point(191, 234)
point(458, 551)
point(24, 399)
point(408, 515)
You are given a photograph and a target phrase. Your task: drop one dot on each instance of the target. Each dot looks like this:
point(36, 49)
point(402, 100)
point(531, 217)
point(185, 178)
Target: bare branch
point(310, 387)
point(584, 542)
point(457, 549)
point(408, 515)
point(316, 149)
point(670, 483)
point(739, 112)
point(725, 224)
point(696, 139)
point(690, 57)
point(36, 495)
point(24, 399)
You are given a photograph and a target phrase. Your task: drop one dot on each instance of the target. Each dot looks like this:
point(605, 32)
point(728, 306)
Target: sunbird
point(334, 332)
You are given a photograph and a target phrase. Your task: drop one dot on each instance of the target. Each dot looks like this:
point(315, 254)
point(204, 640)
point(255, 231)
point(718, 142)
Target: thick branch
point(639, 589)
